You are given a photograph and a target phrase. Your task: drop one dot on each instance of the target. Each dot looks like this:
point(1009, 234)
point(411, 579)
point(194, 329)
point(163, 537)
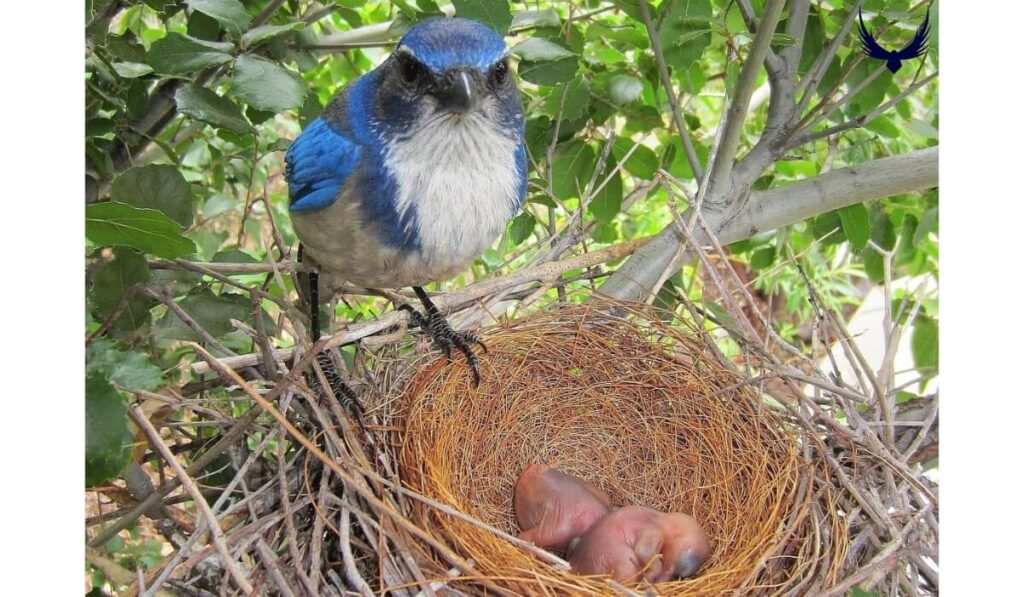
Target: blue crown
point(441, 43)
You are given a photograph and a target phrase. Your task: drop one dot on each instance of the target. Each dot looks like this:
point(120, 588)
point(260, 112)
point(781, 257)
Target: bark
point(767, 210)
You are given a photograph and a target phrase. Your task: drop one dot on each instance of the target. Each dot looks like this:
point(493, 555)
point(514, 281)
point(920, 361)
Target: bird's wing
point(870, 46)
point(917, 46)
point(317, 165)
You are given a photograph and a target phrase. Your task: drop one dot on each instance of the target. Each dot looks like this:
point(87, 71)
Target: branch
point(809, 83)
point(772, 63)
point(673, 101)
point(450, 301)
point(864, 119)
point(721, 168)
point(638, 277)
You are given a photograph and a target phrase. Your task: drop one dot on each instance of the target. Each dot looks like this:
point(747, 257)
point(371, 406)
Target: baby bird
point(635, 540)
point(554, 508)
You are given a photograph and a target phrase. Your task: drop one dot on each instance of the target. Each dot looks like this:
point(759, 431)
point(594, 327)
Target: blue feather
point(317, 165)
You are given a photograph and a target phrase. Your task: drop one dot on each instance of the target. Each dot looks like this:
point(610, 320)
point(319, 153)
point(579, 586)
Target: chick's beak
point(459, 91)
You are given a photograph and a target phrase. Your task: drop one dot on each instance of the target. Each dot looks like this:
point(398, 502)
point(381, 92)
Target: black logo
point(893, 60)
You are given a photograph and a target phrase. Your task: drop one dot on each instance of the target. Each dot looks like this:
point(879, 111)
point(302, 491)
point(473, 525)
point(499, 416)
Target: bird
point(635, 541)
point(894, 60)
point(554, 508)
point(411, 172)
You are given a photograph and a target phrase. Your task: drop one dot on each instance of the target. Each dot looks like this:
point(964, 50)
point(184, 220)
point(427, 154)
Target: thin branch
point(863, 120)
point(730, 138)
point(673, 101)
point(216, 533)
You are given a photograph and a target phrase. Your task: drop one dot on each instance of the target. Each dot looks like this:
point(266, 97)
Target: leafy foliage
point(190, 106)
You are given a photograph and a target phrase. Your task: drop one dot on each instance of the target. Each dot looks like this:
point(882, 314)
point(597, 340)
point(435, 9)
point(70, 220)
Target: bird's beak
point(459, 91)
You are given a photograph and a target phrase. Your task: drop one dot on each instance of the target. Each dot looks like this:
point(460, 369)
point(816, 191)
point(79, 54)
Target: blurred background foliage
point(190, 104)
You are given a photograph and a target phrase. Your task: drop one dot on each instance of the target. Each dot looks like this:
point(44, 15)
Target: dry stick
point(365, 494)
point(229, 438)
point(355, 580)
point(216, 532)
point(269, 560)
point(883, 560)
point(289, 520)
point(450, 301)
point(318, 531)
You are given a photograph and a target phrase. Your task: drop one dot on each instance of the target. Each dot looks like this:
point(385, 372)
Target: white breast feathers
point(459, 172)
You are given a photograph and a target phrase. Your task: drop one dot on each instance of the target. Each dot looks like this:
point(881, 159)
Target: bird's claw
point(445, 337)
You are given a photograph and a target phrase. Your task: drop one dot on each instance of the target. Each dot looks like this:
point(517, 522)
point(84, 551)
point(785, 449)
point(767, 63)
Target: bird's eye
point(499, 73)
point(411, 69)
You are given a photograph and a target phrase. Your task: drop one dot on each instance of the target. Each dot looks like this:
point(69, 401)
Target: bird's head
point(447, 68)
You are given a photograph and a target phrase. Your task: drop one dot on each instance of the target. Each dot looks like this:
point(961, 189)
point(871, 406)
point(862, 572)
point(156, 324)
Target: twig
point(673, 102)
point(204, 508)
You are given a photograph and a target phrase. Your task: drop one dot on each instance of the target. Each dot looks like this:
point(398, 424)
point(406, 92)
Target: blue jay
point(412, 171)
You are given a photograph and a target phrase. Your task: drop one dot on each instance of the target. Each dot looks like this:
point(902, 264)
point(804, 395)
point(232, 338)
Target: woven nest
point(648, 412)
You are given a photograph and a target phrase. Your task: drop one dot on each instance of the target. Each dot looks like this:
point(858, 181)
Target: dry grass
point(644, 410)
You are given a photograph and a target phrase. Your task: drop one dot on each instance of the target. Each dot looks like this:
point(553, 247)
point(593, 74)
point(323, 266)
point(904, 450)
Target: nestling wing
point(870, 46)
point(317, 165)
point(917, 46)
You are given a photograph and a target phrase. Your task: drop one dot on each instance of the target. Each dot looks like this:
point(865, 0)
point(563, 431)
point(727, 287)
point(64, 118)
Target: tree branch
point(637, 279)
point(673, 101)
point(721, 168)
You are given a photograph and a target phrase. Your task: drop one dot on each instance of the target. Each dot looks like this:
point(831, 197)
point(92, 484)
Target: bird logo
point(894, 60)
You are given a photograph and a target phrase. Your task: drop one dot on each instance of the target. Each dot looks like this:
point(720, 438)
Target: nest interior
point(649, 412)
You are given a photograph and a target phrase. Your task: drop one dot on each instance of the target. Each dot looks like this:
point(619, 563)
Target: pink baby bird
point(554, 509)
point(635, 540)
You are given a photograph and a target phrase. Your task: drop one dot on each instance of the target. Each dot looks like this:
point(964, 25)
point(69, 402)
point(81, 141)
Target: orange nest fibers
point(645, 411)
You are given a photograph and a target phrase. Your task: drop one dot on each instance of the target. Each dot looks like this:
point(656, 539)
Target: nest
point(649, 412)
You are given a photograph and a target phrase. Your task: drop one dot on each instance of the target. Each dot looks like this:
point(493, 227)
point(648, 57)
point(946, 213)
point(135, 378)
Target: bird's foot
point(342, 392)
point(435, 325)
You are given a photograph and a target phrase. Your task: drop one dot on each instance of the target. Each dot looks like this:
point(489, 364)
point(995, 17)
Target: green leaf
point(265, 32)
point(549, 72)
point(158, 187)
point(213, 312)
point(692, 80)
point(150, 231)
point(536, 49)
point(929, 221)
point(178, 54)
point(233, 256)
point(625, 89)
point(112, 281)
point(577, 99)
point(265, 85)
point(642, 163)
point(684, 32)
point(873, 94)
point(884, 127)
point(205, 105)
point(132, 70)
point(129, 369)
point(874, 266)
point(493, 13)
point(882, 231)
point(572, 167)
point(762, 258)
point(229, 13)
point(924, 345)
point(107, 435)
point(521, 228)
point(781, 40)
point(535, 18)
point(606, 203)
point(856, 224)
